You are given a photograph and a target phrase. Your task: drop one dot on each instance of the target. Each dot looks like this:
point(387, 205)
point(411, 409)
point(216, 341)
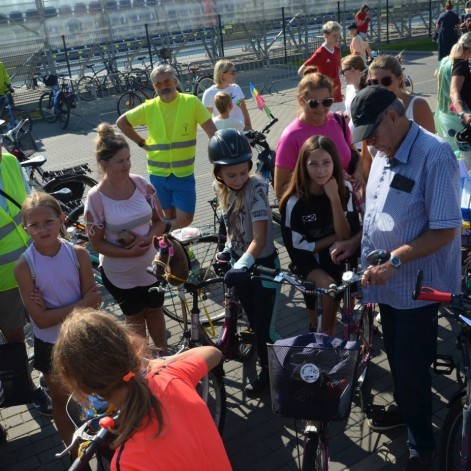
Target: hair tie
point(128, 376)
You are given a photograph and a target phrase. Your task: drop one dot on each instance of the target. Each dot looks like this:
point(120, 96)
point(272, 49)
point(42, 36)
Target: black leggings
point(258, 302)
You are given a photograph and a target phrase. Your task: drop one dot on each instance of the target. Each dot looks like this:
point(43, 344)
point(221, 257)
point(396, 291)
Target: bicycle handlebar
point(425, 293)
point(106, 423)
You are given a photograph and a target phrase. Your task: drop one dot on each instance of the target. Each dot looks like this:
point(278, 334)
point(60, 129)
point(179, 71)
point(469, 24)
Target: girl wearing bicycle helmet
point(163, 424)
point(247, 215)
point(53, 276)
point(317, 209)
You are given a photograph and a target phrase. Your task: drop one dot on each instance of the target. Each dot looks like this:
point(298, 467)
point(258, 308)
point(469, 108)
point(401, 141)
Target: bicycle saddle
point(35, 162)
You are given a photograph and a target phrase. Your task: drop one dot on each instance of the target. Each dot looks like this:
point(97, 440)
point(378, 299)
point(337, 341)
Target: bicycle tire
point(204, 249)
point(139, 76)
point(46, 107)
point(366, 325)
point(127, 101)
point(315, 455)
point(408, 84)
point(244, 350)
point(78, 184)
point(202, 84)
point(18, 115)
point(216, 399)
point(63, 111)
point(86, 87)
point(450, 439)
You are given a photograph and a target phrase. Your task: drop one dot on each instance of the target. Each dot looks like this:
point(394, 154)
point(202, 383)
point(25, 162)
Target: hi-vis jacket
point(172, 152)
point(13, 238)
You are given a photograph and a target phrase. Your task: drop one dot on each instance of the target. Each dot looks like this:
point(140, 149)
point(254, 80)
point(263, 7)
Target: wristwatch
point(141, 143)
point(395, 261)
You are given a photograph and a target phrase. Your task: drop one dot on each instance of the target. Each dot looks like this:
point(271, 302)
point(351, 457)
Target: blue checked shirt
point(394, 217)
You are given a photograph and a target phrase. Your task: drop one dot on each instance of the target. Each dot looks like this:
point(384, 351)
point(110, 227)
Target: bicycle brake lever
point(79, 434)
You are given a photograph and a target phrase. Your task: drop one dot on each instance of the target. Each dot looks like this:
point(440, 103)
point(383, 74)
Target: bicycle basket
point(26, 143)
point(312, 376)
point(50, 80)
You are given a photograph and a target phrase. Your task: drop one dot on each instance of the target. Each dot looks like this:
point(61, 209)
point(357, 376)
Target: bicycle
point(55, 104)
point(12, 115)
point(132, 96)
point(454, 450)
point(190, 82)
point(23, 146)
point(90, 87)
point(292, 399)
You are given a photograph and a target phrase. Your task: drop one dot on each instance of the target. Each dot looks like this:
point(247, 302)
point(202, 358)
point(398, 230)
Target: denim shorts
point(176, 192)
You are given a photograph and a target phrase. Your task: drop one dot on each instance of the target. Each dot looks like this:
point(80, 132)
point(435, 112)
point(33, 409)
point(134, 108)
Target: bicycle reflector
point(463, 139)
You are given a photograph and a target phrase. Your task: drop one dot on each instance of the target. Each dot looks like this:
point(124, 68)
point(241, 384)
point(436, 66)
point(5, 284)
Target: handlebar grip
point(261, 270)
point(429, 294)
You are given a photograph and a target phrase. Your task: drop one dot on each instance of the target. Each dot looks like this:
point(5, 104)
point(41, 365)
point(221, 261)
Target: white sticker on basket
point(309, 373)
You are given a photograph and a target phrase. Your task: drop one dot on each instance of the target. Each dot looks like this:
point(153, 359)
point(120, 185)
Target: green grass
point(420, 44)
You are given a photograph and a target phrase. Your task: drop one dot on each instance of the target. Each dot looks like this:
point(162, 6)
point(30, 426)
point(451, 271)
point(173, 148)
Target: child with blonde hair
point(223, 103)
point(54, 277)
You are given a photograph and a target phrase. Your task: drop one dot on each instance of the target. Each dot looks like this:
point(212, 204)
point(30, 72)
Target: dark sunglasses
point(345, 70)
point(385, 81)
point(313, 104)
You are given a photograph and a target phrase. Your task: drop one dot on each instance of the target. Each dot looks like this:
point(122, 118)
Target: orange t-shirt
point(189, 439)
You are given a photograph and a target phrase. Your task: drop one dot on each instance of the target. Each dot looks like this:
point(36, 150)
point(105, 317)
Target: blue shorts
point(176, 192)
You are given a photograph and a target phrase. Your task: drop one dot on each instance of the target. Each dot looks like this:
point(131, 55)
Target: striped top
point(395, 217)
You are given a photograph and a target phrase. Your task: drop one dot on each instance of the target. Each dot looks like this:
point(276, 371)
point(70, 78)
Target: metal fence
point(261, 34)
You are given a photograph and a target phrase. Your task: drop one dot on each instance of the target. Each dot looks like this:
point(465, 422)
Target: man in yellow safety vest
point(171, 120)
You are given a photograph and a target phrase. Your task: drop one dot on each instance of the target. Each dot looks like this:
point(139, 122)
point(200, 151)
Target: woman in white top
point(354, 71)
point(224, 77)
point(123, 215)
point(387, 71)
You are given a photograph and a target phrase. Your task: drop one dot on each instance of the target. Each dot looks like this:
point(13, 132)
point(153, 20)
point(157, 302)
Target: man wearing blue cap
point(413, 211)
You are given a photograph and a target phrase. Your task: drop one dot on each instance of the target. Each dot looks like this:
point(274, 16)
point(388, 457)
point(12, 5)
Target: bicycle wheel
point(450, 442)
point(365, 340)
point(202, 84)
point(87, 89)
point(213, 391)
point(78, 184)
point(315, 454)
point(201, 252)
point(245, 349)
point(127, 101)
point(408, 84)
point(139, 76)
point(46, 107)
point(63, 111)
point(18, 115)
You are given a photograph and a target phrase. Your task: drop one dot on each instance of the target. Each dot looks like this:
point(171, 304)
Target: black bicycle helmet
point(229, 147)
point(463, 139)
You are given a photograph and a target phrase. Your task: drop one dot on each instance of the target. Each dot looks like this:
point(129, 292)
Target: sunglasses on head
point(385, 81)
point(326, 102)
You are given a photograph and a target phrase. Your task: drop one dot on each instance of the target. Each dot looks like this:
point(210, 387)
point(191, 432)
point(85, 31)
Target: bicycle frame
point(461, 308)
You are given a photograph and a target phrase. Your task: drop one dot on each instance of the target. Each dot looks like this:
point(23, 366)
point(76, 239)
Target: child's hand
point(92, 298)
point(331, 188)
point(37, 298)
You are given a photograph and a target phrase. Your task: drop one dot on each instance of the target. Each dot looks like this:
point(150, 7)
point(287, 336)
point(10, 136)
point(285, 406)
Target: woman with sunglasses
point(224, 78)
point(460, 87)
point(314, 96)
point(386, 70)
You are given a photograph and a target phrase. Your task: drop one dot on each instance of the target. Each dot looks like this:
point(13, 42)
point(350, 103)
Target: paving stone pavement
point(255, 438)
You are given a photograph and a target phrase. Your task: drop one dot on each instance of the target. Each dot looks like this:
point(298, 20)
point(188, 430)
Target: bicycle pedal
point(247, 336)
point(444, 364)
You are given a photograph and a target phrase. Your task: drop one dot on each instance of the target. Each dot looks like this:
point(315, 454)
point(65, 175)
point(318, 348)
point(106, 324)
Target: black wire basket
point(26, 143)
point(312, 376)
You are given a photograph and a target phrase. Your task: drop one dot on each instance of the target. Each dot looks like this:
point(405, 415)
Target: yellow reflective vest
point(13, 238)
point(174, 153)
